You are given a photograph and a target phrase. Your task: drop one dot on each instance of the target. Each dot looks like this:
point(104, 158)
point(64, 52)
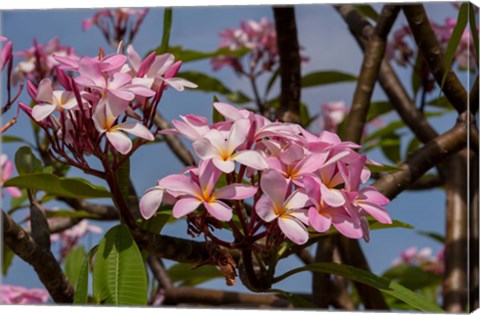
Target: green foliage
point(367, 11)
point(441, 102)
point(473, 26)
point(326, 77)
point(412, 277)
point(209, 84)
point(11, 139)
point(417, 81)
point(73, 264)
point(156, 223)
point(188, 55)
point(7, 257)
point(271, 82)
point(57, 186)
point(390, 146)
point(81, 287)
point(183, 274)
point(434, 236)
point(377, 109)
point(457, 33)
point(119, 274)
point(26, 162)
point(383, 168)
point(122, 175)
point(77, 214)
point(413, 145)
point(383, 284)
point(167, 26)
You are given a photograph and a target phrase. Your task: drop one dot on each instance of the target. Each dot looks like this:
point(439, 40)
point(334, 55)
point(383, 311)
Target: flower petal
point(42, 111)
point(236, 192)
point(185, 206)
point(177, 183)
point(321, 223)
point(265, 209)
point(332, 197)
point(274, 185)
point(293, 229)
point(204, 149)
point(219, 210)
point(135, 129)
point(225, 166)
point(297, 200)
point(251, 158)
point(120, 141)
point(151, 201)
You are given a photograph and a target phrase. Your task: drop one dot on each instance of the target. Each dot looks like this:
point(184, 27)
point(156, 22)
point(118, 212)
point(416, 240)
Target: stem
point(126, 216)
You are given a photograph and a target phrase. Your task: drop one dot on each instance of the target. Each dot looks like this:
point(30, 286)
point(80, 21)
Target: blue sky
point(327, 42)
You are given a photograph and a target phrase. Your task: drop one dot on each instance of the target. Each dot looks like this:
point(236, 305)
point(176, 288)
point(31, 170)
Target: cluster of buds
point(260, 38)
point(401, 51)
point(269, 180)
point(6, 61)
point(10, 294)
point(39, 61)
point(117, 25)
point(423, 258)
point(110, 97)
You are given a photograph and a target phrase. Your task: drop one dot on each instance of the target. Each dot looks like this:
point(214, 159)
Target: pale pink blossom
point(201, 191)
point(10, 294)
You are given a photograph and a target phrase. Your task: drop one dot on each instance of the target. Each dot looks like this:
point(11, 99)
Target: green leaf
point(381, 283)
point(457, 33)
point(383, 168)
point(390, 146)
point(61, 187)
point(167, 27)
point(7, 256)
point(81, 288)
point(188, 55)
point(73, 264)
point(473, 27)
point(434, 236)
point(377, 109)
point(388, 129)
point(209, 84)
point(122, 175)
point(271, 82)
point(216, 116)
point(26, 162)
point(412, 277)
point(416, 80)
point(156, 223)
point(119, 274)
point(441, 102)
point(304, 116)
point(186, 276)
point(413, 145)
point(326, 77)
point(367, 11)
point(296, 300)
point(9, 139)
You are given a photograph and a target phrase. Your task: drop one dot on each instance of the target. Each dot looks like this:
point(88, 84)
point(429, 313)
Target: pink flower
point(10, 294)
point(6, 173)
point(333, 114)
point(220, 146)
point(50, 100)
point(196, 191)
point(5, 53)
point(105, 116)
point(288, 209)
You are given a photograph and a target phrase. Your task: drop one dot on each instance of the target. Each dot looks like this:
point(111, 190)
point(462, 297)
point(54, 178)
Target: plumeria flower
point(10, 294)
point(104, 118)
point(333, 114)
point(6, 173)
point(50, 100)
point(220, 146)
point(153, 198)
point(321, 216)
point(193, 127)
point(162, 68)
point(5, 53)
point(202, 192)
point(288, 210)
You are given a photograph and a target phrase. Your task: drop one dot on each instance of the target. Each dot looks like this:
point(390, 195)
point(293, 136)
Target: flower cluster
point(259, 37)
point(423, 258)
point(10, 294)
point(6, 61)
point(117, 25)
point(109, 97)
point(39, 61)
point(401, 51)
point(297, 183)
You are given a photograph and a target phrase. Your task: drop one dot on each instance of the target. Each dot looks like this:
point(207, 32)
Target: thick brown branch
point(289, 52)
point(430, 47)
point(193, 295)
point(104, 212)
point(374, 52)
point(474, 232)
point(436, 151)
point(174, 142)
point(455, 284)
point(391, 84)
point(321, 283)
point(474, 97)
point(44, 263)
point(159, 272)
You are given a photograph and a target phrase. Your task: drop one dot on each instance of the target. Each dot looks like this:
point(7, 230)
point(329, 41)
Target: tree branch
point(455, 281)
point(289, 52)
point(373, 56)
point(192, 295)
point(43, 261)
point(430, 47)
point(419, 162)
point(473, 236)
point(159, 272)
